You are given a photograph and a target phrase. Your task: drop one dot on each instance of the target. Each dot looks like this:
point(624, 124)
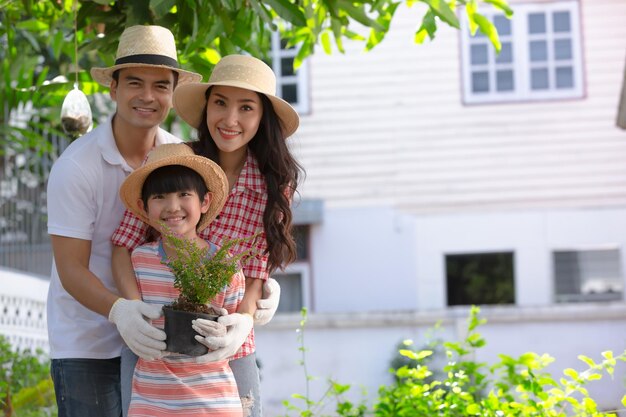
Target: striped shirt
point(180, 385)
point(242, 216)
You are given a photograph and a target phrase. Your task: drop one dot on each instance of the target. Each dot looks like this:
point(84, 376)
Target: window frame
point(520, 40)
point(590, 297)
point(300, 78)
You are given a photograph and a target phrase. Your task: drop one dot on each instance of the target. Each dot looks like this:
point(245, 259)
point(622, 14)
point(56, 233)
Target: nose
point(231, 117)
point(147, 94)
point(172, 204)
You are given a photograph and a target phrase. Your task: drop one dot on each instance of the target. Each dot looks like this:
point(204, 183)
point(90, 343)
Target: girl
point(184, 192)
point(243, 126)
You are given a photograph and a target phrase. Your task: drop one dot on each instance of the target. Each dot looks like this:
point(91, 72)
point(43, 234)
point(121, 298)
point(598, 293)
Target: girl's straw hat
point(145, 46)
point(235, 71)
point(177, 154)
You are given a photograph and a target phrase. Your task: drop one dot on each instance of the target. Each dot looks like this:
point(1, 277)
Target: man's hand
point(266, 306)
point(130, 317)
point(238, 327)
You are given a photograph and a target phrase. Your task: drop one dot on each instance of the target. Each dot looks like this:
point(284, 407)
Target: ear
point(206, 202)
point(142, 207)
point(113, 90)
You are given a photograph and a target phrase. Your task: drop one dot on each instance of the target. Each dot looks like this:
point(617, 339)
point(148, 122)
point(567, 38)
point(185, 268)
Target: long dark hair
point(281, 172)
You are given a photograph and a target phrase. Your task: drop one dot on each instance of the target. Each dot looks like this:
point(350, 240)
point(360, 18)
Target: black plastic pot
point(180, 334)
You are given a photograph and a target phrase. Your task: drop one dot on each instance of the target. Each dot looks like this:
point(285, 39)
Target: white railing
point(23, 310)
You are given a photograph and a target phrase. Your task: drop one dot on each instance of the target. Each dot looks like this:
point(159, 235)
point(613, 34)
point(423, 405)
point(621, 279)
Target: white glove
point(238, 327)
point(266, 306)
point(131, 318)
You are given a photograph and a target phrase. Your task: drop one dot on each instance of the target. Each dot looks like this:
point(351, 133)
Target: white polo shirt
point(83, 203)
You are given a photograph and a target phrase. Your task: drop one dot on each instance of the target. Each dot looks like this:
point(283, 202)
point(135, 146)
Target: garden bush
point(511, 387)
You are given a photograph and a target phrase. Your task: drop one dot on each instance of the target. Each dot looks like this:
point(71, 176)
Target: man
point(83, 211)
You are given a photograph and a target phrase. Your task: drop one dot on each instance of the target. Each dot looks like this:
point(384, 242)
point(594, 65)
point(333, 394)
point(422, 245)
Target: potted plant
point(199, 276)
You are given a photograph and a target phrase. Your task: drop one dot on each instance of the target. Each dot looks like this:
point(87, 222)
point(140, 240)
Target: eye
point(247, 108)
point(219, 102)
point(186, 193)
point(157, 197)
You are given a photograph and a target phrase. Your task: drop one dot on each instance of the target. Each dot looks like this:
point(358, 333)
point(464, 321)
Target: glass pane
point(290, 93)
point(504, 80)
point(480, 82)
point(506, 53)
point(562, 49)
point(300, 234)
point(564, 77)
point(479, 54)
point(561, 21)
point(482, 278)
point(291, 292)
point(539, 79)
point(503, 25)
point(588, 275)
point(286, 66)
point(538, 51)
point(536, 23)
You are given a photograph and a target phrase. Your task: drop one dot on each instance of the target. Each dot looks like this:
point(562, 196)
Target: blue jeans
point(245, 370)
point(87, 387)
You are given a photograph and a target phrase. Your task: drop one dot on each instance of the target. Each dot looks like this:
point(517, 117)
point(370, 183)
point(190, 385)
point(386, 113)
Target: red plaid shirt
point(241, 216)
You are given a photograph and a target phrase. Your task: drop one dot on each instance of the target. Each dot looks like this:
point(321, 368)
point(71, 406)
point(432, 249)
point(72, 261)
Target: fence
point(24, 241)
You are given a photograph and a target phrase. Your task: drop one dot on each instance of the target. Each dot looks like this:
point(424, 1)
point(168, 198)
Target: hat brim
point(104, 76)
point(189, 101)
point(211, 173)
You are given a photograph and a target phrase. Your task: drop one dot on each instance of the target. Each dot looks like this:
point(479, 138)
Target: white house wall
point(409, 174)
point(389, 126)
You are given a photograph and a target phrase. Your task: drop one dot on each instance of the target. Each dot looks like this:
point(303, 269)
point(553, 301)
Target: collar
point(250, 177)
point(110, 152)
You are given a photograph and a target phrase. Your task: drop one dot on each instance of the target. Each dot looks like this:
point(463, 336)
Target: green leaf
point(442, 10)
point(161, 7)
point(502, 5)
point(470, 9)
point(359, 14)
point(587, 360)
point(428, 28)
point(472, 409)
point(288, 11)
point(489, 30)
point(325, 41)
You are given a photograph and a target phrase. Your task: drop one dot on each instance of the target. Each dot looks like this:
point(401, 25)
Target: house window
point(540, 59)
point(480, 278)
point(291, 86)
point(588, 275)
point(294, 280)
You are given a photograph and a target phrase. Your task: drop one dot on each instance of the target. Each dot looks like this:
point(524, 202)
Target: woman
point(242, 125)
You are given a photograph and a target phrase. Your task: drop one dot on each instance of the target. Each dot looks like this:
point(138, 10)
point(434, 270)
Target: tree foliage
point(40, 40)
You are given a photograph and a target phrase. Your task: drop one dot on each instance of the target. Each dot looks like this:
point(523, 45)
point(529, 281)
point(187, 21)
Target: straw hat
point(177, 154)
point(235, 71)
point(145, 46)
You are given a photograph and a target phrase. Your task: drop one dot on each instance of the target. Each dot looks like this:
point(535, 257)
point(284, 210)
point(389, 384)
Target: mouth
point(228, 134)
point(144, 109)
point(173, 220)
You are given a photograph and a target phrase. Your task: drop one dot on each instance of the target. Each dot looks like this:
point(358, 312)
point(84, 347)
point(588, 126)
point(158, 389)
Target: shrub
point(463, 387)
point(26, 389)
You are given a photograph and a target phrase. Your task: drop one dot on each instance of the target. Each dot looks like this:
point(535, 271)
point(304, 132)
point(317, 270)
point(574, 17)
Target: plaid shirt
point(241, 216)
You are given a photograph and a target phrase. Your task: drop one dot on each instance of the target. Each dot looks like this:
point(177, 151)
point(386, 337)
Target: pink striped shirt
point(180, 385)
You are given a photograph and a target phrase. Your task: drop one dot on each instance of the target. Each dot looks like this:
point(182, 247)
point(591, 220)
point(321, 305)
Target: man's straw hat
point(235, 71)
point(177, 154)
point(145, 46)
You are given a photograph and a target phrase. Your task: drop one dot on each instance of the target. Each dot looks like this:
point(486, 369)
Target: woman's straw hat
point(145, 46)
point(235, 71)
point(177, 154)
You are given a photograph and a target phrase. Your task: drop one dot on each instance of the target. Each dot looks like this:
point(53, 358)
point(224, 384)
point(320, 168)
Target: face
point(180, 211)
point(233, 117)
point(143, 96)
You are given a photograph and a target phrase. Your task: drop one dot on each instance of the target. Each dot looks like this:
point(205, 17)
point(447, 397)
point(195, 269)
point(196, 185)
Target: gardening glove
point(266, 306)
point(210, 327)
point(131, 318)
point(238, 327)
